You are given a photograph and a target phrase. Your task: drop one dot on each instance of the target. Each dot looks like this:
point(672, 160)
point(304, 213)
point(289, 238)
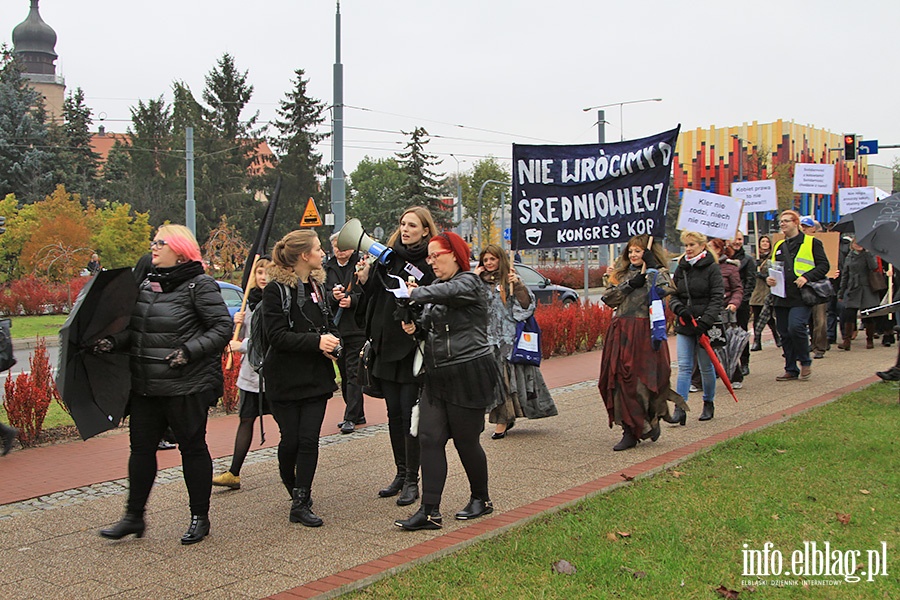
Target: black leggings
point(150, 416)
point(298, 451)
point(400, 398)
point(438, 422)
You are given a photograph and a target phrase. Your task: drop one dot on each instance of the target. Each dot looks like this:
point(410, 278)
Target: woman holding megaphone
point(393, 349)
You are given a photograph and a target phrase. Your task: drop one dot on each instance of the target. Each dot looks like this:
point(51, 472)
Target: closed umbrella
point(95, 387)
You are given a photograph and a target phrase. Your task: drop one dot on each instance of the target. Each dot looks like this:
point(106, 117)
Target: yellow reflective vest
point(804, 261)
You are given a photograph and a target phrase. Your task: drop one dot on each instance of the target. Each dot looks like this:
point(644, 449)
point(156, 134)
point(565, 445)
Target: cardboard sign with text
point(813, 178)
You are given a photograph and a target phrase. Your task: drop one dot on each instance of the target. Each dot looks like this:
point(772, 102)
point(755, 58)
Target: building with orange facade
point(711, 159)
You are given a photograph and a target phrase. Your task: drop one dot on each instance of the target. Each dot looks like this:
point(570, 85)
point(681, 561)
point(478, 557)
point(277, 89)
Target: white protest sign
point(851, 200)
point(810, 178)
point(711, 214)
point(880, 194)
point(758, 196)
point(742, 224)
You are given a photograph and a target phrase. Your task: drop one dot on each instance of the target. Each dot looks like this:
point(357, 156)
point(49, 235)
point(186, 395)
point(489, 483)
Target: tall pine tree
point(421, 186)
point(26, 156)
point(300, 166)
point(77, 163)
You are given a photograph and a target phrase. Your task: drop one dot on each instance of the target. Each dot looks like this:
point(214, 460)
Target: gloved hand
point(638, 281)
point(177, 358)
point(103, 345)
point(650, 260)
point(684, 312)
point(687, 326)
point(702, 327)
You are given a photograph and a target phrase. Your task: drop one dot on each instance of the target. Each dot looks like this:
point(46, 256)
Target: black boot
point(130, 524)
point(301, 511)
point(627, 441)
point(653, 434)
point(395, 486)
point(757, 346)
point(892, 374)
point(678, 416)
point(709, 411)
point(474, 509)
point(197, 530)
point(410, 492)
point(424, 518)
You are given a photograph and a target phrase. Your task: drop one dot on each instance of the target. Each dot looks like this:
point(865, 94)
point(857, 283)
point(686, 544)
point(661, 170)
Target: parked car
point(545, 292)
point(233, 296)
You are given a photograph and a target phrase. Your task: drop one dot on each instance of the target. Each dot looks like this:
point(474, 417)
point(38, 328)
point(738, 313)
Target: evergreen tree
point(421, 185)
point(77, 163)
point(225, 150)
point(300, 166)
point(26, 159)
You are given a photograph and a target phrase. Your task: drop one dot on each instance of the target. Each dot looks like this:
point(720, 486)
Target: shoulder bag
point(817, 292)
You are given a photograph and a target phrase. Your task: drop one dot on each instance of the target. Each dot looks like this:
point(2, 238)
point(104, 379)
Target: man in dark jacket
point(802, 259)
point(340, 273)
point(747, 270)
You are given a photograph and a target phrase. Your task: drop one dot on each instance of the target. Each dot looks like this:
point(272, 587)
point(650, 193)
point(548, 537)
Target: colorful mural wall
point(711, 159)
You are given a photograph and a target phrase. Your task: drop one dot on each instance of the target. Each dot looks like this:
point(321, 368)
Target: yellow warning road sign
point(310, 216)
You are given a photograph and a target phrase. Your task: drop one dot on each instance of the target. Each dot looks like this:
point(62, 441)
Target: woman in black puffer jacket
point(698, 298)
point(178, 329)
point(460, 379)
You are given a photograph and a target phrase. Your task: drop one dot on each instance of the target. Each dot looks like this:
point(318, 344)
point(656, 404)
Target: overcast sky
point(505, 70)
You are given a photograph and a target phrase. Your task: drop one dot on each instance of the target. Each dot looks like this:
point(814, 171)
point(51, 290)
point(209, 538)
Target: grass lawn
point(41, 325)
point(829, 475)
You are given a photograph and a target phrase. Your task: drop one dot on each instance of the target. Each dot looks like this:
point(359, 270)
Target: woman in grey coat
point(522, 388)
point(856, 293)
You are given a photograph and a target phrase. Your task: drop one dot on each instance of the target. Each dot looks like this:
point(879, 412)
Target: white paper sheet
point(402, 291)
point(776, 273)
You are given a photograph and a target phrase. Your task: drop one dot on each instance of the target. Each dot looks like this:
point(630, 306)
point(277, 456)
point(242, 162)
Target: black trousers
point(439, 422)
point(348, 365)
point(400, 398)
point(743, 321)
point(298, 451)
point(150, 416)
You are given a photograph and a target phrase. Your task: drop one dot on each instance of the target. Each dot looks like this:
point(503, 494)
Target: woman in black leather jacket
point(460, 379)
point(394, 350)
point(176, 335)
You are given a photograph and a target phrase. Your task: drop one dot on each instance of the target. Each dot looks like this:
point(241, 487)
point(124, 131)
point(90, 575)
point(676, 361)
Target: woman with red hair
point(460, 379)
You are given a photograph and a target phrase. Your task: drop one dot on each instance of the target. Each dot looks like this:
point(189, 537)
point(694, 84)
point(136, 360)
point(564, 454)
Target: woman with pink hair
point(176, 335)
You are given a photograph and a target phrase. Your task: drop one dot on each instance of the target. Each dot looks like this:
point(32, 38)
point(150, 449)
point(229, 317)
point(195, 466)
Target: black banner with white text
point(590, 194)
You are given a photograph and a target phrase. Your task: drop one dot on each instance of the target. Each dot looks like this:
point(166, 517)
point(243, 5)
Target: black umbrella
point(877, 228)
point(95, 387)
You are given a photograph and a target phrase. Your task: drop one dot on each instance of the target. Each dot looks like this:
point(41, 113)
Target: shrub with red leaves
point(32, 296)
point(573, 277)
point(231, 395)
point(567, 330)
point(595, 319)
point(28, 396)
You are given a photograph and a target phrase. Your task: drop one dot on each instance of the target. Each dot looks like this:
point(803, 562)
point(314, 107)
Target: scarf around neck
point(170, 278)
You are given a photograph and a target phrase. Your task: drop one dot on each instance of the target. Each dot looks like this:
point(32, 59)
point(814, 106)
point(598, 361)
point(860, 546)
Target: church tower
point(34, 45)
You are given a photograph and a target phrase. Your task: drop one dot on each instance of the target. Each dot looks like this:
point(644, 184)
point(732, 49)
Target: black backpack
point(7, 360)
point(258, 345)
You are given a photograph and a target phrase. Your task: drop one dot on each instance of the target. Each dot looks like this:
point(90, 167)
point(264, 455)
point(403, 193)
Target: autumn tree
point(472, 180)
point(225, 250)
point(59, 244)
point(120, 236)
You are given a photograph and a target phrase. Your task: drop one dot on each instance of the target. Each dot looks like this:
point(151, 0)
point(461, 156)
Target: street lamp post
point(458, 195)
point(480, 193)
point(621, 110)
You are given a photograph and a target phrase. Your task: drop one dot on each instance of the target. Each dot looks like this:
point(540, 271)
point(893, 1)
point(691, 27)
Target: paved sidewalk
point(53, 551)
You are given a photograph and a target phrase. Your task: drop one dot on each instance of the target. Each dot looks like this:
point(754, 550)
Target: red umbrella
point(704, 341)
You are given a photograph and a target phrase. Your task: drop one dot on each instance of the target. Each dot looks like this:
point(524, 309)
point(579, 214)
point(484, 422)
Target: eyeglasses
point(785, 220)
point(156, 243)
point(434, 255)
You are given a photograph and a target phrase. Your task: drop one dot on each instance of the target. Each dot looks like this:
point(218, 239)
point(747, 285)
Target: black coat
point(747, 270)
point(295, 369)
point(389, 342)
point(698, 287)
point(336, 274)
point(192, 316)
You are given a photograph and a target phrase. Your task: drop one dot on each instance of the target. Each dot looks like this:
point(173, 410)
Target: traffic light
point(849, 146)
point(2, 223)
